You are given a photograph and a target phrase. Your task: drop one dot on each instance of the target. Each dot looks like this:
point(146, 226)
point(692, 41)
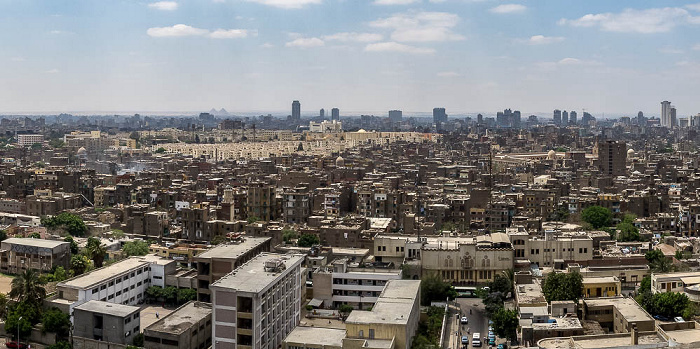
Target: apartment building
point(296, 205)
point(222, 259)
point(27, 140)
point(18, 255)
point(260, 201)
point(617, 314)
point(688, 283)
point(124, 282)
point(108, 322)
point(48, 203)
point(340, 284)
point(259, 303)
point(188, 327)
point(555, 249)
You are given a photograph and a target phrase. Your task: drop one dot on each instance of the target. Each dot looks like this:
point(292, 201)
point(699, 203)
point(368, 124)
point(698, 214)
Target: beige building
point(554, 249)
point(617, 314)
point(18, 255)
point(606, 286)
point(467, 260)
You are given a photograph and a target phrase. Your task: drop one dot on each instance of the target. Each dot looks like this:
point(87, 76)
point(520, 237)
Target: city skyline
point(370, 57)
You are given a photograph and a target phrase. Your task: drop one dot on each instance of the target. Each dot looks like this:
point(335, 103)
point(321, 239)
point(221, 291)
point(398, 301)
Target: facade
point(673, 282)
point(666, 114)
point(617, 314)
point(340, 284)
point(18, 255)
point(439, 116)
point(326, 126)
point(297, 206)
point(224, 258)
point(296, 111)
point(393, 321)
point(606, 286)
point(335, 114)
point(395, 115)
point(258, 304)
point(188, 327)
point(124, 282)
point(27, 140)
point(546, 252)
point(612, 158)
point(108, 322)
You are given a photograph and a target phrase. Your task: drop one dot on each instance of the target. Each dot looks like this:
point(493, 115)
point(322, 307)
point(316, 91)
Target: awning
point(316, 303)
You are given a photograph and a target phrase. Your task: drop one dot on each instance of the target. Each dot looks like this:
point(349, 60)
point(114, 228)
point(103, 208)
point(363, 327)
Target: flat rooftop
point(316, 336)
point(111, 271)
point(35, 242)
point(600, 280)
point(252, 276)
point(234, 250)
point(114, 309)
point(621, 340)
point(181, 319)
point(688, 336)
point(393, 306)
point(626, 306)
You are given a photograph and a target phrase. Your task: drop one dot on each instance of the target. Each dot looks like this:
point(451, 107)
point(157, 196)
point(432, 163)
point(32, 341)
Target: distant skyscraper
point(395, 115)
point(666, 114)
point(480, 119)
point(564, 118)
point(557, 117)
point(573, 117)
point(335, 114)
point(296, 110)
point(674, 120)
point(439, 116)
point(322, 113)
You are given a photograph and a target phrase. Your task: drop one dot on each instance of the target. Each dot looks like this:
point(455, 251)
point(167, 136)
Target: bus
point(465, 291)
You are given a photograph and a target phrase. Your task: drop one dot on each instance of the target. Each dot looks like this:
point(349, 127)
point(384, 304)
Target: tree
point(645, 284)
point(627, 232)
point(563, 287)
point(288, 235)
point(218, 240)
point(501, 283)
point(345, 309)
point(69, 222)
point(433, 288)
point(160, 150)
point(96, 251)
point(493, 302)
point(185, 295)
point(138, 340)
point(308, 240)
point(597, 216)
point(13, 323)
point(56, 321)
point(170, 294)
point(253, 219)
point(135, 248)
point(73, 245)
point(505, 323)
point(3, 306)
point(34, 235)
point(658, 261)
point(669, 304)
point(3, 235)
point(28, 288)
point(79, 264)
point(154, 292)
point(59, 274)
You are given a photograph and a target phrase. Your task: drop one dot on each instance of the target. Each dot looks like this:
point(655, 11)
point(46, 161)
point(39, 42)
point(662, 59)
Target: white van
point(476, 340)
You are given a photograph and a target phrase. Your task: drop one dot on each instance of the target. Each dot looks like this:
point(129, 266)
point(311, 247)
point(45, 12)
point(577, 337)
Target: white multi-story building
point(358, 287)
point(124, 282)
point(259, 303)
point(326, 126)
point(27, 140)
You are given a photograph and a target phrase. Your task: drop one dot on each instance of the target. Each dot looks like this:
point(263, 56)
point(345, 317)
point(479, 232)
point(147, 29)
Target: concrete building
point(188, 327)
point(18, 255)
point(617, 314)
point(606, 286)
point(296, 111)
point(341, 284)
point(27, 140)
point(260, 201)
point(296, 205)
point(554, 250)
point(612, 158)
point(688, 283)
point(108, 322)
point(258, 304)
point(392, 322)
point(439, 116)
point(314, 338)
point(224, 258)
point(395, 115)
point(124, 282)
point(335, 114)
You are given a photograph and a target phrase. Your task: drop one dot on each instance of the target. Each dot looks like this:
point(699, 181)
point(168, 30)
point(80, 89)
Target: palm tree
point(96, 251)
point(28, 287)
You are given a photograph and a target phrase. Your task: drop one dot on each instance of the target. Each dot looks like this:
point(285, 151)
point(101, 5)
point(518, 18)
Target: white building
point(124, 282)
point(27, 140)
point(259, 303)
point(326, 126)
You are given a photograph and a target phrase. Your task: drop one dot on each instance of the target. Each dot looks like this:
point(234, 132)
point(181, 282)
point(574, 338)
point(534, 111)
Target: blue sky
point(362, 56)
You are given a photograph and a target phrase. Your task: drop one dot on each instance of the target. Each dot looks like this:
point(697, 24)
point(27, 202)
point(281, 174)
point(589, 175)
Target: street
point(478, 322)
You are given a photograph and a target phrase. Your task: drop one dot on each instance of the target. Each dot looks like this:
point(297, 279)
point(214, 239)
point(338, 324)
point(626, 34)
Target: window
point(119, 293)
point(111, 296)
point(103, 287)
point(111, 283)
point(127, 320)
point(362, 334)
point(94, 290)
point(371, 333)
point(119, 280)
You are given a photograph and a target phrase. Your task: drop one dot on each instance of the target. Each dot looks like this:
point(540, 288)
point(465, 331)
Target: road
point(478, 322)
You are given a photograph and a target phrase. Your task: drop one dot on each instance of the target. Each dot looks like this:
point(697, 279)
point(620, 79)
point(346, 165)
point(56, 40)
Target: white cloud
point(421, 26)
point(354, 37)
point(508, 8)
point(543, 40)
point(17, 59)
point(305, 42)
point(231, 33)
point(287, 4)
point(670, 50)
point(176, 31)
point(693, 7)
point(448, 74)
point(164, 5)
point(394, 2)
point(53, 71)
point(397, 47)
point(218, 1)
point(267, 45)
point(696, 47)
point(570, 61)
point(649, 21)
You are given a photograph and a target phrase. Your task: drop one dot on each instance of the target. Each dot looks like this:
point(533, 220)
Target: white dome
point(551, 155)
point(82, 150)
point(630, 152)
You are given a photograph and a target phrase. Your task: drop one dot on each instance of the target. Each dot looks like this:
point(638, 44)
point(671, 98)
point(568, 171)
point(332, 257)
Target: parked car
point(464, 320)
point(492, 341)
point(15, 345)
point(465, 339)
point(662, 318)
point(678, 319)
point(502, 346)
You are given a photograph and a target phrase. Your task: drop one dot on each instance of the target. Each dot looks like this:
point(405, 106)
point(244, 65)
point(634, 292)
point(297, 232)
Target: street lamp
point(18, 321)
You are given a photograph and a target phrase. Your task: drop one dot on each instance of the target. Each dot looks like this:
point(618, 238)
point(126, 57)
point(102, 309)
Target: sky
point(362, 56)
